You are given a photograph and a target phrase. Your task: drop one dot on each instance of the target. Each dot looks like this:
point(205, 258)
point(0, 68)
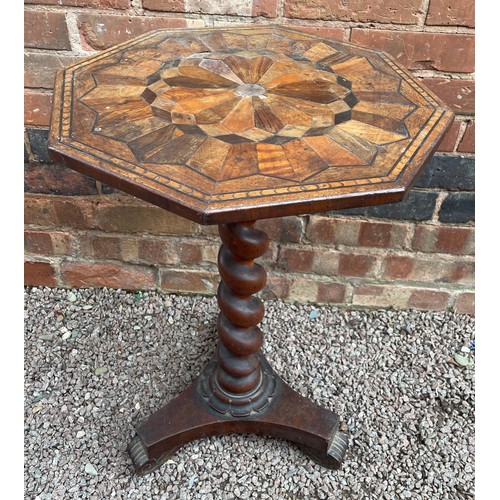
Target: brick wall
point(418, 253)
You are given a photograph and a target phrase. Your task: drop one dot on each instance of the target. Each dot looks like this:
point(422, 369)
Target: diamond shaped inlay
point(238, 96)
point(212, 120)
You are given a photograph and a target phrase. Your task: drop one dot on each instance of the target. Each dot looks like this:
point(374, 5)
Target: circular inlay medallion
point(250, 96)
point(250, 89)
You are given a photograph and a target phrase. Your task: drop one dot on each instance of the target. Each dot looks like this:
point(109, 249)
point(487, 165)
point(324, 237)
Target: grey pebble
point(409, 410)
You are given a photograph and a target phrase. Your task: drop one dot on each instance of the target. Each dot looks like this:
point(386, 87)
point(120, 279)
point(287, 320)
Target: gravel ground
point(97, 361)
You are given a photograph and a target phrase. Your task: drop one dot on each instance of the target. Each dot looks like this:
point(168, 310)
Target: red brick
point(265, 8)
point(450, 138)
point(157, 251)
point(61, 243)
point(277, 287)
point(397, 267)
point(37, 108)
point(164, 5)
point(324, 31)
point(209, 252)
point(101, 4)
point(326, 262)
point(268, 260)
point(295, 259)
point(97, 274)
point(429, 300)
point(185, 280)
point(453, 240)
point(38, 243)
point(189, 252)
point(460, 272)
point(53, 211)
point(380, 11)
point(434, 51)
point(46, 30)
point(432, 269)
point(331, 293)
point(321, 229)
point(313, 9)
point(125, 217)
point(303, 290)
point(224, 7)
point(400, 297)
point(388, 296)
point(286, 229)
point(467, 143)
point(128, 247)
point(327, 230)
point(465, 303)
point(424, 238)
point(47, 243)
point(101, 31)
point(355, 265)
point(375, 290)
point(39, 211)
point(73, 213)
point(451, 13)
point(39, 274)
point(51, 178)
point(101, 247)
point(458, 94)
point(382, 235)
point(40, 68)
point(347, 232)
point(170, 251)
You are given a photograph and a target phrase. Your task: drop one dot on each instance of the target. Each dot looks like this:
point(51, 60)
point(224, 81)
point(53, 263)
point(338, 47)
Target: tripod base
point(288, 416)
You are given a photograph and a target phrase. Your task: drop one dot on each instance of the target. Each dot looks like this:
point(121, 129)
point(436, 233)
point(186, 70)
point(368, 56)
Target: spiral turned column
point(239, 383)
point(238, 391)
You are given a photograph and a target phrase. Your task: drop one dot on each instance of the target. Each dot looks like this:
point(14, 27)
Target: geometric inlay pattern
point(213, 121)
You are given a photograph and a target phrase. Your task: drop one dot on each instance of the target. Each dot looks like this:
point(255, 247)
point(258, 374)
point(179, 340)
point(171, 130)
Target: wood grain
point(230, 124)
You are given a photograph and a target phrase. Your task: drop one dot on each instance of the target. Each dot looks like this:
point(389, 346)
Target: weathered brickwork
point(451, 13)
point(83, 241)
point(449, 52)
point(415, 254)
point(380, 11)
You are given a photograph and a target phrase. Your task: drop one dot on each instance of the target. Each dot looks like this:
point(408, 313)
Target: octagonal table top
point(244, 123)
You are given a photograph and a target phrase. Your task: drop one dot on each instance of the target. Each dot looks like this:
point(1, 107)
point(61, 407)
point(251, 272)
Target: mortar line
point(461, 133)
point(137, 7)
point(280, 9)
point(424, 10)
point(242, 18)
point(74, 35)
point(437, 207)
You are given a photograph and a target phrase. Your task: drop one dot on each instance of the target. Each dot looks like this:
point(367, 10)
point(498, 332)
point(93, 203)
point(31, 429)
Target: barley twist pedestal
point(228, 126)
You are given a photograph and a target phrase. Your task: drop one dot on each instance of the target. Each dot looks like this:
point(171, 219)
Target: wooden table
point(227, 126)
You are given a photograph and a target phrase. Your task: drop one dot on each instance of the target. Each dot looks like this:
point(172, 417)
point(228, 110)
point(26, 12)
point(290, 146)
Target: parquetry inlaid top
point(231, 124)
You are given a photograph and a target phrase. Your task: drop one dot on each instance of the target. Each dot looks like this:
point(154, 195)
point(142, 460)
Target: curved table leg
point(288, 416)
